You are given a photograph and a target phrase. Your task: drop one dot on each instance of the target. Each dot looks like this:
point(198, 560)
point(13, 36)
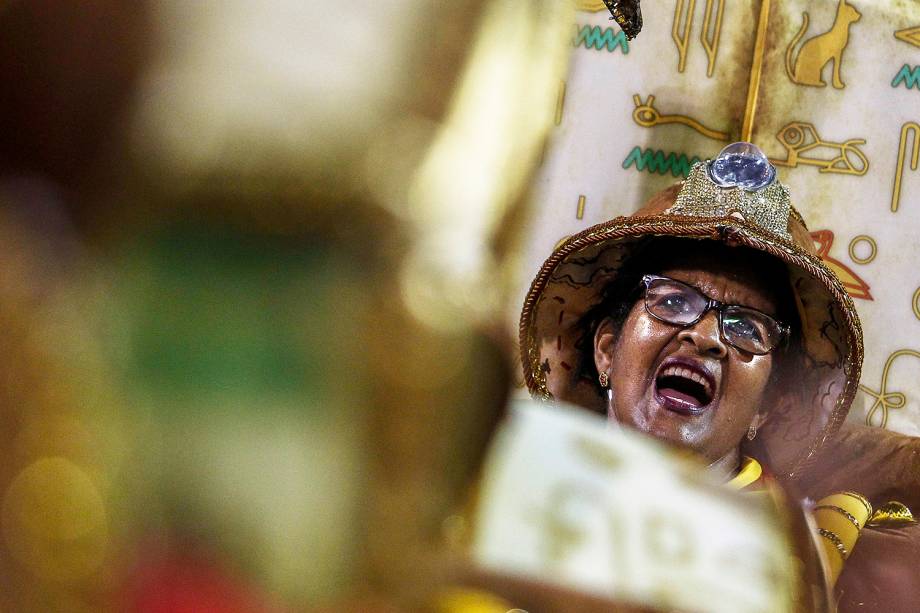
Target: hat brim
point(805, 413)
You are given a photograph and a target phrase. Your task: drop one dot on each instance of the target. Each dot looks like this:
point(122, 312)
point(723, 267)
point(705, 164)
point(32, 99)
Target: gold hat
point(736, 200)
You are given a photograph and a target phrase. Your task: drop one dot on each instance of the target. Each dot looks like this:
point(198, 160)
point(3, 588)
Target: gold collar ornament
point(739, 183)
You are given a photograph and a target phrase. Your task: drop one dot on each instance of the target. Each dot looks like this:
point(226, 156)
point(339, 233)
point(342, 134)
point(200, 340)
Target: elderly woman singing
point(706, 320)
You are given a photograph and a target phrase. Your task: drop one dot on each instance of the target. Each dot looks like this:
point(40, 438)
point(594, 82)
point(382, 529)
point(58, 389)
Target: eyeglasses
point(677, 303)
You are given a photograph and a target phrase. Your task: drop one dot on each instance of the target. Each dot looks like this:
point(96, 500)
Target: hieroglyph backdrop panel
point(837, 109)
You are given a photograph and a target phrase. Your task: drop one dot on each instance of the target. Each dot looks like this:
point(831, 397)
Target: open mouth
point(684, 388)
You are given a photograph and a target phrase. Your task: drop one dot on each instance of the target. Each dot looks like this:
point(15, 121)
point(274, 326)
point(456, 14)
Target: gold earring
point(603, 379)
point(752, 432)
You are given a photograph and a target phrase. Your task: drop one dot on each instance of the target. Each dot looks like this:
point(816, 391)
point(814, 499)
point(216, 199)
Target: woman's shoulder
point(881, 572)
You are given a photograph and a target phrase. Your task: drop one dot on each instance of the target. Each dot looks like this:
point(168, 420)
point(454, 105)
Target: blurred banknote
point(568, 501)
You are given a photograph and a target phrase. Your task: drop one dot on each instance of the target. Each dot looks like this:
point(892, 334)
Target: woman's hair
point(653, 255)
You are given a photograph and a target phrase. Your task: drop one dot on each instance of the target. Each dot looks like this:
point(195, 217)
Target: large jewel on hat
point(740, 184)
point(742, 165)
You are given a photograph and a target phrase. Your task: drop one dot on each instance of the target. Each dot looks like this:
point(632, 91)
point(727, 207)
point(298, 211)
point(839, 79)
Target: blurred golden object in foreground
point(54, 520)
point(590, 5)
point(303, 243)
point(458, 600)
point(460, 210)
point(462, 199)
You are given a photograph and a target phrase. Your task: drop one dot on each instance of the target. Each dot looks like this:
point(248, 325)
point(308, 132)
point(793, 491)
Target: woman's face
point(647, 360)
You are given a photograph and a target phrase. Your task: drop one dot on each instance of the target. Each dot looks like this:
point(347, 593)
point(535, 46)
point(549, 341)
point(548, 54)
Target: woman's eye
point(673, 301)
point(743, 327)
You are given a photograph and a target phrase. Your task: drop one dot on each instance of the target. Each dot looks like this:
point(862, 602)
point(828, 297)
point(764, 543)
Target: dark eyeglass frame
point(712, 303)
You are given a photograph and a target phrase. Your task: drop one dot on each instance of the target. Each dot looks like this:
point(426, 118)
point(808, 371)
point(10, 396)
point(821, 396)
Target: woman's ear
point(604, 340)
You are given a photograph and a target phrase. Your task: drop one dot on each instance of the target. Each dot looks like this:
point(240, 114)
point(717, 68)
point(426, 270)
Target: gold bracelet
point(841, 548)
point(842, 511)
point(862, 499)
point(891, 513)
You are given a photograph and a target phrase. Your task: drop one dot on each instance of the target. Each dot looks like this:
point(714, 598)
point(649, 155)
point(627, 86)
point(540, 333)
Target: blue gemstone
point(742, 165)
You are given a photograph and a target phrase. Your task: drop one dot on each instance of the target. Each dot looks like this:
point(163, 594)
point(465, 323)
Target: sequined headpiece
point(739, 183)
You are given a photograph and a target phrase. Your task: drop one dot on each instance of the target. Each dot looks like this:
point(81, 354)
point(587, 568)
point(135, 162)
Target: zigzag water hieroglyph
point(910, 77)
point(595, 37)
point(652, 160)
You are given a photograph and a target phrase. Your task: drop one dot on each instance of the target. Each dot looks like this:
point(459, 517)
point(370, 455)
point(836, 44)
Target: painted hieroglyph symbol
point(646, 115)
point(816, 52)
point(855, 286)
point(709, 36)
point(800, 137)
point(560, 102)
point(915, 303)
point(580, 212)
point(910, 36)
point(885, 400)
point(662, 162)
point(682, 39)
point(910, 77)
point(711, 41)
point(594, 37)
point(873, 249)
point(906, 130)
